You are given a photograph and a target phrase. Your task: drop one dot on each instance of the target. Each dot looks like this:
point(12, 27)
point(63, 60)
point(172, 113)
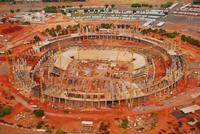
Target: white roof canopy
point(190, 109)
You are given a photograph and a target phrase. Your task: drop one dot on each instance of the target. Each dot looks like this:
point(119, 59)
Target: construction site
point(70, 71)
point(89, 68)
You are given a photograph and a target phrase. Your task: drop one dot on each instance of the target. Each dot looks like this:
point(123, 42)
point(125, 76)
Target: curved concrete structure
point(113, 87)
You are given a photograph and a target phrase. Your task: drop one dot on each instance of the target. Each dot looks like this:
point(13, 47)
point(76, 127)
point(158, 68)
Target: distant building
point(29, 16)
point(28, 0)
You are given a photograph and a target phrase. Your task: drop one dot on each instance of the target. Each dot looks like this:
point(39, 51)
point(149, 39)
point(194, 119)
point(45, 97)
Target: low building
point(190, 109)
point(28, 0)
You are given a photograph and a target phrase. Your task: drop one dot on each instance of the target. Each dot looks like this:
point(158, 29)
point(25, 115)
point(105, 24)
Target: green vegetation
point(191, 119)
point(149, 30)
point(37, 38)
point(63, 12)
point(52, 32)
point(190, 40)
point(66, 111)
point(166, 5)
point(12, 11)
point(106, 5)
point(18, 10)
point(103, 128)
point(44, 33)
point(112, 5)
point(38, 113)
point(154, 114)
point(123, 26)
point(161, 32)
point(136, 5)
point(58, 28)
point(153, 125)
point(85, 10)
point(80, 6)
point(8, 52)
point(196, 1)
point(198, 124)
point(168, 34)
point(24, 23)
point(74, 0)
point(4, 20)
point(140, 5)
point(59, 131)
point(51, 9)
point(106, 25)
point(38, 126)
point(5, 111)
point(124, 123)
point(48, 130)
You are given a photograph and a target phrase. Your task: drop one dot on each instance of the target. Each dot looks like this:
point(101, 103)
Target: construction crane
point(60, 55)
point(60, 63)
point(130, 90)
point(41, 74)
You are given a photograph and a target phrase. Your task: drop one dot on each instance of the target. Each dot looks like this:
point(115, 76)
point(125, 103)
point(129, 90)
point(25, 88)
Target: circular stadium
point(99, 70)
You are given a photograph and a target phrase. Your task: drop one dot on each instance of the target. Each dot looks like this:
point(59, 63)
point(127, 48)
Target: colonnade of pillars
point(108, 103)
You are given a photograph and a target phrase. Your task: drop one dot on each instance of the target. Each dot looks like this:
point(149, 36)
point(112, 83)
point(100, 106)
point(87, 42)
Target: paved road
point(22, 101)
point(186, 97)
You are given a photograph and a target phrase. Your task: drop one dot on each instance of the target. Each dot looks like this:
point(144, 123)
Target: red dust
point(8, 29)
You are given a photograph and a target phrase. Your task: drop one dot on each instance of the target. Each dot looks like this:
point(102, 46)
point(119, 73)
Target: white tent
point(190, 109)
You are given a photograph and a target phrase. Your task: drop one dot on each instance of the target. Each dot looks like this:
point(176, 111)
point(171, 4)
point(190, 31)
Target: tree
point(85, 10)
point(48, 130)
point(5, 111)
point(66, 111)
point(38, 113)
point(51, 9)
point(64, 31)
point(52, 32)
point(59, 131)
point(112, 6)
point(63, 12)
point(1, 113)
point(18, 10)
point(198, 124)
point(47, 30)
point(25, 23)
point(37, 38)
point(3, 20)
point(69, 28)
point(136, 5)
point(12, 11)
point(190, 40)
point(196, 1)
point(44, 33)
point(106, 5)
point(106, 25)
point(7, 52)
point(167, 4)
point(58, 28)
point(80, 6)
point(124, 123)
point(154, 114)
point(38, 126)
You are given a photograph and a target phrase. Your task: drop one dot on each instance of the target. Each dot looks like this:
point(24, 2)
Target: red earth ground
point(71, 121)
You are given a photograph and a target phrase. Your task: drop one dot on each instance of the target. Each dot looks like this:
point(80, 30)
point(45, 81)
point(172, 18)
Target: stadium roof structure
point(190, 109)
